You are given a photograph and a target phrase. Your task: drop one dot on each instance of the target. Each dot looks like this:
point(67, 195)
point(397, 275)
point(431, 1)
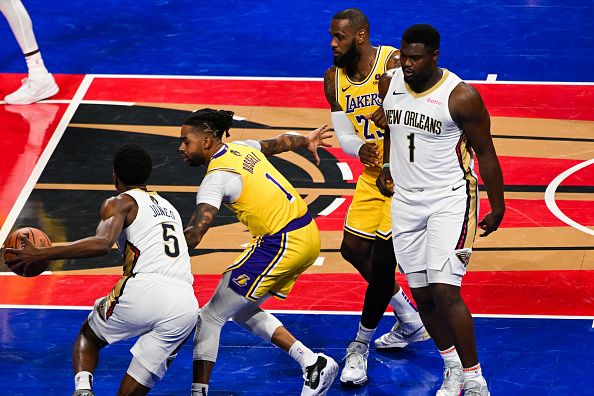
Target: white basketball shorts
point(161, 309)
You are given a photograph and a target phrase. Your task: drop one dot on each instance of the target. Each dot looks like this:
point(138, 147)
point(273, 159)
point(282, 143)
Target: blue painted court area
point(519, 357)
point(533, 40)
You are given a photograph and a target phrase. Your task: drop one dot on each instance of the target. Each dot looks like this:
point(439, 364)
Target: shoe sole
point(329, 380)
point(49, 94)
point(401, 346)
point(354, 384)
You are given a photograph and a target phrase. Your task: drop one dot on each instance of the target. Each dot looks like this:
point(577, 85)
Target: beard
point(349, 58)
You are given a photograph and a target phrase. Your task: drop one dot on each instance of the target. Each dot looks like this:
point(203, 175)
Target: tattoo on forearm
point(282, 143)
point(200, 223)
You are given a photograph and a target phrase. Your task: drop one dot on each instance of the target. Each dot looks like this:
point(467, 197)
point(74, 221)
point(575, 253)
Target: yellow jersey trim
point(445, 75)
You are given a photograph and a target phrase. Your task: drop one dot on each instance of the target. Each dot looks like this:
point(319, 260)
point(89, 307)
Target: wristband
point(386, 165)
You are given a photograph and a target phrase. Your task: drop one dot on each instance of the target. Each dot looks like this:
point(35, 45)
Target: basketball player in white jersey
point(351, 90)
point(40, 84)
point(154, 299)
point(437, 123)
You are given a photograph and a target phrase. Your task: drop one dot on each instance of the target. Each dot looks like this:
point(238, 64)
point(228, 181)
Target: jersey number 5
point(170, 241)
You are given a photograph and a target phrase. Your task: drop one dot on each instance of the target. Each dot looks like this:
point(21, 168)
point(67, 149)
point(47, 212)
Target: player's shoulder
point(330, 73)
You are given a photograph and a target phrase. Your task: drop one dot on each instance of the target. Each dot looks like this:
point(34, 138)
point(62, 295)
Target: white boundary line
point(248, 78)
point(552, 204)
point(45, 156)
point(305, 312)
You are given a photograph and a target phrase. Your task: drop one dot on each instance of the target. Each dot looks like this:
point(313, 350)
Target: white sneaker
point(33, 90)
point(453, 378)
point(354, 372)
point(319, 376)
point(397, 339)
point(476, 387)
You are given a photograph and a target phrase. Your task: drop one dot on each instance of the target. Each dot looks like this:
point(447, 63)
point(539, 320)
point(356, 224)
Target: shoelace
point(473, 392)
point(449, 381)
point(354, 360)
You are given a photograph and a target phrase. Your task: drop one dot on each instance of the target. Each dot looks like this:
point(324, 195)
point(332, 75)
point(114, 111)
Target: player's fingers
point(316, 158)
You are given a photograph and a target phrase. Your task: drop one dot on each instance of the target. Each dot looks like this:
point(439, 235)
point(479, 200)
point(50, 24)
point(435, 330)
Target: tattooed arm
point(200, 222)
point(292, 141)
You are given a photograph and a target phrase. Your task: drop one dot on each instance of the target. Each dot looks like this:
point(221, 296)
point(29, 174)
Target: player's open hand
point(369, 155)
point(385, 183)
point(316, 139)
point(490, 222)
point(28, 254)
point(379, 118)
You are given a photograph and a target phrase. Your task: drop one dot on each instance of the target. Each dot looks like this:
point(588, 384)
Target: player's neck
point(423, 86)
point(214, 151)
point(360, 70)
point(135, 186)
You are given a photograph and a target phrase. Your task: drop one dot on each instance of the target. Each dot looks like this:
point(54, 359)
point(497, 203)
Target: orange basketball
point(37, 238)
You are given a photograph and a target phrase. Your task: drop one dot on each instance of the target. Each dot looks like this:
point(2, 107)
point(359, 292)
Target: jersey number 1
point(289, 196)
point(411, 147)
point(170, 240)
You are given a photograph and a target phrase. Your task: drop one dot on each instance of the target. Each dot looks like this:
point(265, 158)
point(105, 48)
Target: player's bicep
point(384, 83)
point(469, 111)
point(113, 216)
point(330, 89)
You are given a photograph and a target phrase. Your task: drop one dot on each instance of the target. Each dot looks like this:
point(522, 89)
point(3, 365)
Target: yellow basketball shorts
point(272, 263)
point(369, 214)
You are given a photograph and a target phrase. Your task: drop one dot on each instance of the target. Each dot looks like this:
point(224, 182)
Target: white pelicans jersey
point(427, 148)
point(155, 242)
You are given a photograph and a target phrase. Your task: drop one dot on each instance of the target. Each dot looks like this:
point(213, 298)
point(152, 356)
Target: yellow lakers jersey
point(268, 202)
point(359, 99)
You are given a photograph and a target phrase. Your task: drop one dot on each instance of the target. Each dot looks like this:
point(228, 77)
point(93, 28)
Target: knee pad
point(207, 335)
point(140, 373)
point(258, 322)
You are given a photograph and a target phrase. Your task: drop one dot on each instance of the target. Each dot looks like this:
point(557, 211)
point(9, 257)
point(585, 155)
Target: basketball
point(37, 238)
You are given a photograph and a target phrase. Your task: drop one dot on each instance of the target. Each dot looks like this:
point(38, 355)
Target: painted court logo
point(241, 280)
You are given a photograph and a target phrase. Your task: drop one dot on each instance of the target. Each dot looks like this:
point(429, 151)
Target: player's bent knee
point(141, 374)
point(206, 337)
point(258, 322)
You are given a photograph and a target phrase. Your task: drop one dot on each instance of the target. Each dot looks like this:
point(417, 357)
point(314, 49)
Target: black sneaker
point(319, 376)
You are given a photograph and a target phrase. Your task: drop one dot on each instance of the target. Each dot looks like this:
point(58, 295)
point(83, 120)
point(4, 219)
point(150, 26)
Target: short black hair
point(218, 121)
point(357, 19)
point(423, 34)
point(132, 164)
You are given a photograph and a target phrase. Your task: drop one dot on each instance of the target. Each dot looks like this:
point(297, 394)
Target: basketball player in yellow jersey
point(351, 90)
point(286, 240)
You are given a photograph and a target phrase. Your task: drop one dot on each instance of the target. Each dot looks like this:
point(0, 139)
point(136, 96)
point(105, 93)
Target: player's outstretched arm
point(200, 222)
point(468, 110)
point(292, 141)
point(113, 216)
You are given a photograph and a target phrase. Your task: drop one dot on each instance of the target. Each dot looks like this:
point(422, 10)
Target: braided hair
point(218, 122)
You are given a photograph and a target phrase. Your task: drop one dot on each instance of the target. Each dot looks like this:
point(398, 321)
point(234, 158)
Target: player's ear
point(361, 36)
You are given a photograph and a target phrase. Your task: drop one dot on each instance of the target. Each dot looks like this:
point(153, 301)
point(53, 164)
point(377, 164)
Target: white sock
point(199, 389)
point(473, 372)
point(450, 357)
point(405, 312)
point(83, 380)
point(364, 335)
point(36, 67)
point(302, 354)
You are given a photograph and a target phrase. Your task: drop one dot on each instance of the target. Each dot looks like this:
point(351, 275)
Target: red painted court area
point(561, 292)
